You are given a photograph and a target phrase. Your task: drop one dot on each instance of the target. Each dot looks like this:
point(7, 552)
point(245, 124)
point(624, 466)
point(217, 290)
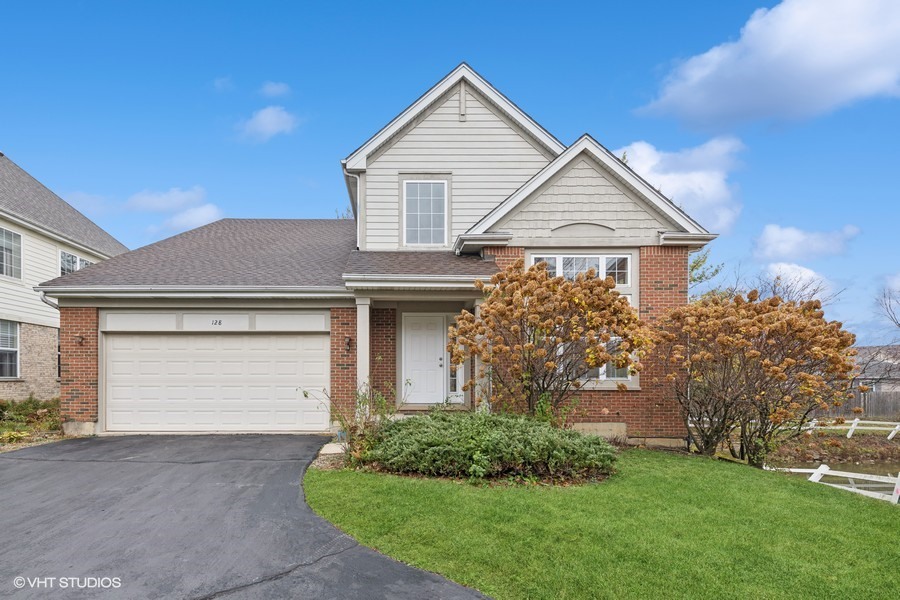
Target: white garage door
point(195, 382)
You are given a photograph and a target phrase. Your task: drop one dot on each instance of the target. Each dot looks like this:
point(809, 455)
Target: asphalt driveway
point(183, 517)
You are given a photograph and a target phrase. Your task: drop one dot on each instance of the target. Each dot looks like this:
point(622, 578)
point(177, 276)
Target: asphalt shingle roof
point(23, 196)
point(418, 263)
point(232, 253)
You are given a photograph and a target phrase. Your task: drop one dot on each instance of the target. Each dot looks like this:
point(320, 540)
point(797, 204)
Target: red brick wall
point(650, 411)
point(343, 363)
point(78, 340)
point(383, 351)
point(504, 255)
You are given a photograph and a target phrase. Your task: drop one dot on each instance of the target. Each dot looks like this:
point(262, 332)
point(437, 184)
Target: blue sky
point(778, 128)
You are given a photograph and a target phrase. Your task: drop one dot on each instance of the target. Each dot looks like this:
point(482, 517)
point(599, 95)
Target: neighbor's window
point(425, 212)
point(10, 254)
point(609, 370)
point(69, 263)
point(9, 349)
point(569, 266)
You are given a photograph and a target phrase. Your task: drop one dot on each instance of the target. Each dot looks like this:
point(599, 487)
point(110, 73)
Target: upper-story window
point(425, 212)
point(9, 349)
point(69, 263)
point(10, 254)
point(615, 266)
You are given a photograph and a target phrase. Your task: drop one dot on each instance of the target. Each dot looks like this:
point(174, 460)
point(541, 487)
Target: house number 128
point(217, 321)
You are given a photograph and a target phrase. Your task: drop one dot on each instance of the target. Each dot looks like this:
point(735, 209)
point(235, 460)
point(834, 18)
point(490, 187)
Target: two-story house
point(41, 237)
point(224, 327)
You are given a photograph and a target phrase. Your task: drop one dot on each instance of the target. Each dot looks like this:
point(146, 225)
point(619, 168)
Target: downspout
point(47, 302)
point(355, 205)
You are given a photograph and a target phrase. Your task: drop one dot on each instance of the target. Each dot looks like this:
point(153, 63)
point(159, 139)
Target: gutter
point(53, 235)
point(477, 241)
point(194, 292)
point(679, 238)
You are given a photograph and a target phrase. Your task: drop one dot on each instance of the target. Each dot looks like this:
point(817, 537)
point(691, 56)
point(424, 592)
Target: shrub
point(38, 415)
point(479, 445)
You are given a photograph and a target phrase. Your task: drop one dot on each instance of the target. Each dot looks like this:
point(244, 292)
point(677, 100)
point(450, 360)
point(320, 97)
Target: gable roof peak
point(356, 161)
point(586, 143)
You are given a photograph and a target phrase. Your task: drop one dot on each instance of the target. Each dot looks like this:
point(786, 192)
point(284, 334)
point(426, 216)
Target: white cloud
point(194, 217)
point(796, 274)
point(791, 243)
point(893, 282)
point(273, 89)
point(223, 84)
point(267, 123)
point(173, 199)
point(694, 178)
point(799, 59)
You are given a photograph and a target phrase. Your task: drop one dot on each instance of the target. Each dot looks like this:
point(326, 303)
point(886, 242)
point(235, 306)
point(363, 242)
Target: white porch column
point(363, 328)
point(482, 391)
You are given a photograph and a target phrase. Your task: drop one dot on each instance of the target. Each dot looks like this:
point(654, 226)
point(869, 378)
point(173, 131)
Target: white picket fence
point(879, 487)
point(857, 425)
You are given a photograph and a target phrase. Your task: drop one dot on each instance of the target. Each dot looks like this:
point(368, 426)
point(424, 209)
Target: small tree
point(889, 303)
point(537, 336)
point(758, 367)
point(700, 270)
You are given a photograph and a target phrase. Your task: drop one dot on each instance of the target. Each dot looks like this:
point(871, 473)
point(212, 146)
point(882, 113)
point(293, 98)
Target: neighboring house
point(41, 237)
point(879, 368)
point(217, 328)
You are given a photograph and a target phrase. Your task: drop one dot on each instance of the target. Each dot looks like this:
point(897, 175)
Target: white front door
point(427, 376)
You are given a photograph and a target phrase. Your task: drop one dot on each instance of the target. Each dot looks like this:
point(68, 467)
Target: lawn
point(665, 526)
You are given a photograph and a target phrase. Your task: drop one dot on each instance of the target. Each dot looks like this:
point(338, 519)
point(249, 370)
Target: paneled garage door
point(197, 382)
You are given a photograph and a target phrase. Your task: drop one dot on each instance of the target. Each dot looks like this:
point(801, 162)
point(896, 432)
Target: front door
point(425, 362)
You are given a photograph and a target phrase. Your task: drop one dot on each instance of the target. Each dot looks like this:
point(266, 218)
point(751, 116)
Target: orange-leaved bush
point(753, 368)
point(536, 337)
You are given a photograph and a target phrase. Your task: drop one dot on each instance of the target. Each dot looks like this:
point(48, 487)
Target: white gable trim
point(590, 146)
point(357, 160)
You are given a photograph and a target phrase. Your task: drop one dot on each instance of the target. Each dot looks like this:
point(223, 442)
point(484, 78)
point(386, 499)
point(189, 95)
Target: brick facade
point(504, 255)
point(343, 362)
point(650, 411)
point(38, 347)
point(78, 339)
point(383, 351)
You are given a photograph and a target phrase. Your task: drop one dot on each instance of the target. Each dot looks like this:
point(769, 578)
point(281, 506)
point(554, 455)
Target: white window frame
point(80, 262)
point(17, 350)
point(535, 255)
point(21, 276)
point(601, 259)
point(446, 184)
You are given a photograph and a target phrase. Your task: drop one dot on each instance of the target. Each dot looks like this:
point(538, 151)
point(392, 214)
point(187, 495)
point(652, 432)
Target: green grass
point(665, 526)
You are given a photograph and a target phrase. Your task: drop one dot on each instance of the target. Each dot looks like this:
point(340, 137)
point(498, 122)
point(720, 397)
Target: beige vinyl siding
point(40, 263)
point(486, 159)
point(584, 206)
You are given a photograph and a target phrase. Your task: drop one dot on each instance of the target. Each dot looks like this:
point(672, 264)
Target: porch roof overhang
point(369, 281)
